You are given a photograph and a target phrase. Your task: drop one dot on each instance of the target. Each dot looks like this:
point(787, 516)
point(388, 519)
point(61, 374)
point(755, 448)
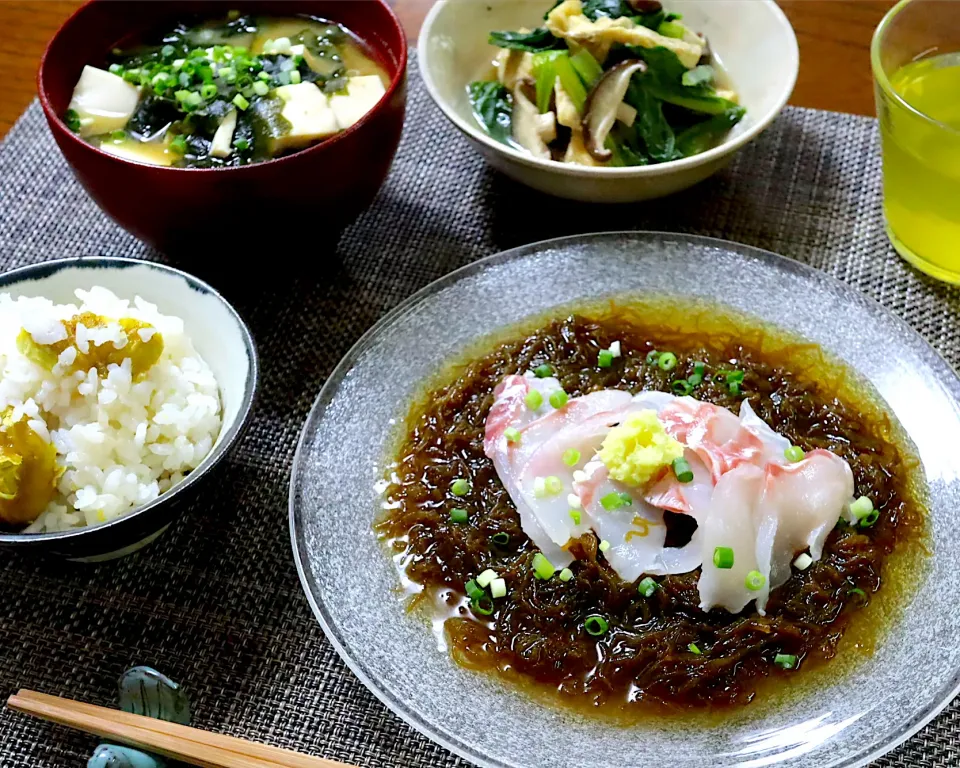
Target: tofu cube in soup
point(362, 95)
point(103, 101)
point(308, 111)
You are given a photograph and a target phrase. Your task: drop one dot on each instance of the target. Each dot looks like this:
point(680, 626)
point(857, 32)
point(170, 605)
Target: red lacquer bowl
point(301, 198)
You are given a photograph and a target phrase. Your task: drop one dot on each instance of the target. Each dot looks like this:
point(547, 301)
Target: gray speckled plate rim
point(935, 703)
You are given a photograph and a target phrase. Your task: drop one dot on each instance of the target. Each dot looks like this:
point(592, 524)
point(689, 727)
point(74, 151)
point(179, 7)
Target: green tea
point(922, 164)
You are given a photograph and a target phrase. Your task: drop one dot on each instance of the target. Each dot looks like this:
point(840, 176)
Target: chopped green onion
point(723, 558)
point(857, 591)
point(861, 508)
point(116, 69)
point(542, 568)
point(208, 91)
point(486, 577)
point(695, 379)
point(596, 625)
point(732, 377)
point(501, 539)
point(615, 348)
point(614, 500)
point(559, 398)
point(785, 660)
point(604, 545)
point(734, 388)
point(458, 515)
point(512, 434)
point(575, 516)
point(472, 589)
point(533, 399)
point(566, 574)
point(261, 88)
point(118, 135)
point(699, 369)
point(179, 145)
point(295, 77)
point(682, 387)
point(694, 649)
point(794, 453)
point(870, 519)
point(647, 587)
point(803, 562)
point(240, 102)
point(553, 485)
point(667, 361)
point(652, 357)
point(265, 76)
point(755, 581)
point(73, 120)
point(498, 588)
point(574, 501)
point(460, 487)
point(604, 358)
point(571, 457)
point(482, 605)
point(681, 468)
point(543, 371)
point(242, 144)
point(167, 51)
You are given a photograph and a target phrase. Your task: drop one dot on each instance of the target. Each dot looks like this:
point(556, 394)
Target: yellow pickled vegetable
point(28, 471)
point(142, 354)
point(638, 449)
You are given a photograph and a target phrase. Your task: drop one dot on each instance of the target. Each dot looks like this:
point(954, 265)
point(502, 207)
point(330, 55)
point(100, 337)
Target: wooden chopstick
point(179, 742)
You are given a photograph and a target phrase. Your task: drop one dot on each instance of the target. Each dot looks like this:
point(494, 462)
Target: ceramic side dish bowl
point(220, 337)
point(847, 716)
point(189, 210)
point(754, 42)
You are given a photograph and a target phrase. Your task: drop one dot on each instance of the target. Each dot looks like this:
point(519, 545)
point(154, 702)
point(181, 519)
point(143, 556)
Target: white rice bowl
point(120, 442)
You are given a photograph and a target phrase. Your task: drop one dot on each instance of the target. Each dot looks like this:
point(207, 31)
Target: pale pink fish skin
point(509, 409)
point(806, 498)
point(584, 435)
point(733, 522)
point(713, 433)
point(767, 517)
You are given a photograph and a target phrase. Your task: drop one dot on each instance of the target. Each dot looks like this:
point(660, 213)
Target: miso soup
point(227, 92)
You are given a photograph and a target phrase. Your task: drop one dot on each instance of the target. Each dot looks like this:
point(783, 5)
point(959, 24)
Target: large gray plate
point(351, 584)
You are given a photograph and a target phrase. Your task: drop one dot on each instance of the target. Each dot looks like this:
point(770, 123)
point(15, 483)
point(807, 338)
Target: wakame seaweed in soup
point(583, 631)
point(227, 92)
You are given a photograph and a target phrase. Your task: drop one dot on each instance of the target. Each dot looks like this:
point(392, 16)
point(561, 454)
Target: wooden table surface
point(834, 40)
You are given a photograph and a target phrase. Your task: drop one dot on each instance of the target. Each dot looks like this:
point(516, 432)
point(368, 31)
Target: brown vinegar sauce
point(793, 385)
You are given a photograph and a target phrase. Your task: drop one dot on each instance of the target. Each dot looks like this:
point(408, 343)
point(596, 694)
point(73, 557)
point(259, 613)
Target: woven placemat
point(216, 603)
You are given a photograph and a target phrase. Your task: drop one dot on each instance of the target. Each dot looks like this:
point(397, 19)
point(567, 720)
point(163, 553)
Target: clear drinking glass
point(916, 69)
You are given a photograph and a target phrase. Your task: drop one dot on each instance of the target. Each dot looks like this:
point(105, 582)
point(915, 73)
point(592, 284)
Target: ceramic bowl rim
point(935, 704)
point(395, 84)
point(226, 440)
point(728, 146)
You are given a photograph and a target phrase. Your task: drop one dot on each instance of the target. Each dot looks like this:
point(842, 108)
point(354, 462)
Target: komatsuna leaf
point(540, 39)
point(493, 107)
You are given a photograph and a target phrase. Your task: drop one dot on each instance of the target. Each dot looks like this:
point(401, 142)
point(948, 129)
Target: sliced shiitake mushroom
point(646, 6)
point(603, 104)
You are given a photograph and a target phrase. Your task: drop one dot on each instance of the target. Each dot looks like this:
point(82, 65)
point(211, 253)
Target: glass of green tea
point(916, 68)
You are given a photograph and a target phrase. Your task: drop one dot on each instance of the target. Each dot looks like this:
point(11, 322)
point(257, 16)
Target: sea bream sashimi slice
point(766, 517)
point(715, 434)
point(536, 426)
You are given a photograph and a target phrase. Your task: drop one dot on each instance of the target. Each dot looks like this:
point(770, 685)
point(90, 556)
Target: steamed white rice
point(121, 442)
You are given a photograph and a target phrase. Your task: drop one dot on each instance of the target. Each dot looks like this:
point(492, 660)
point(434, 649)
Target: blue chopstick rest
point(113, 756)
point(144, 691)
